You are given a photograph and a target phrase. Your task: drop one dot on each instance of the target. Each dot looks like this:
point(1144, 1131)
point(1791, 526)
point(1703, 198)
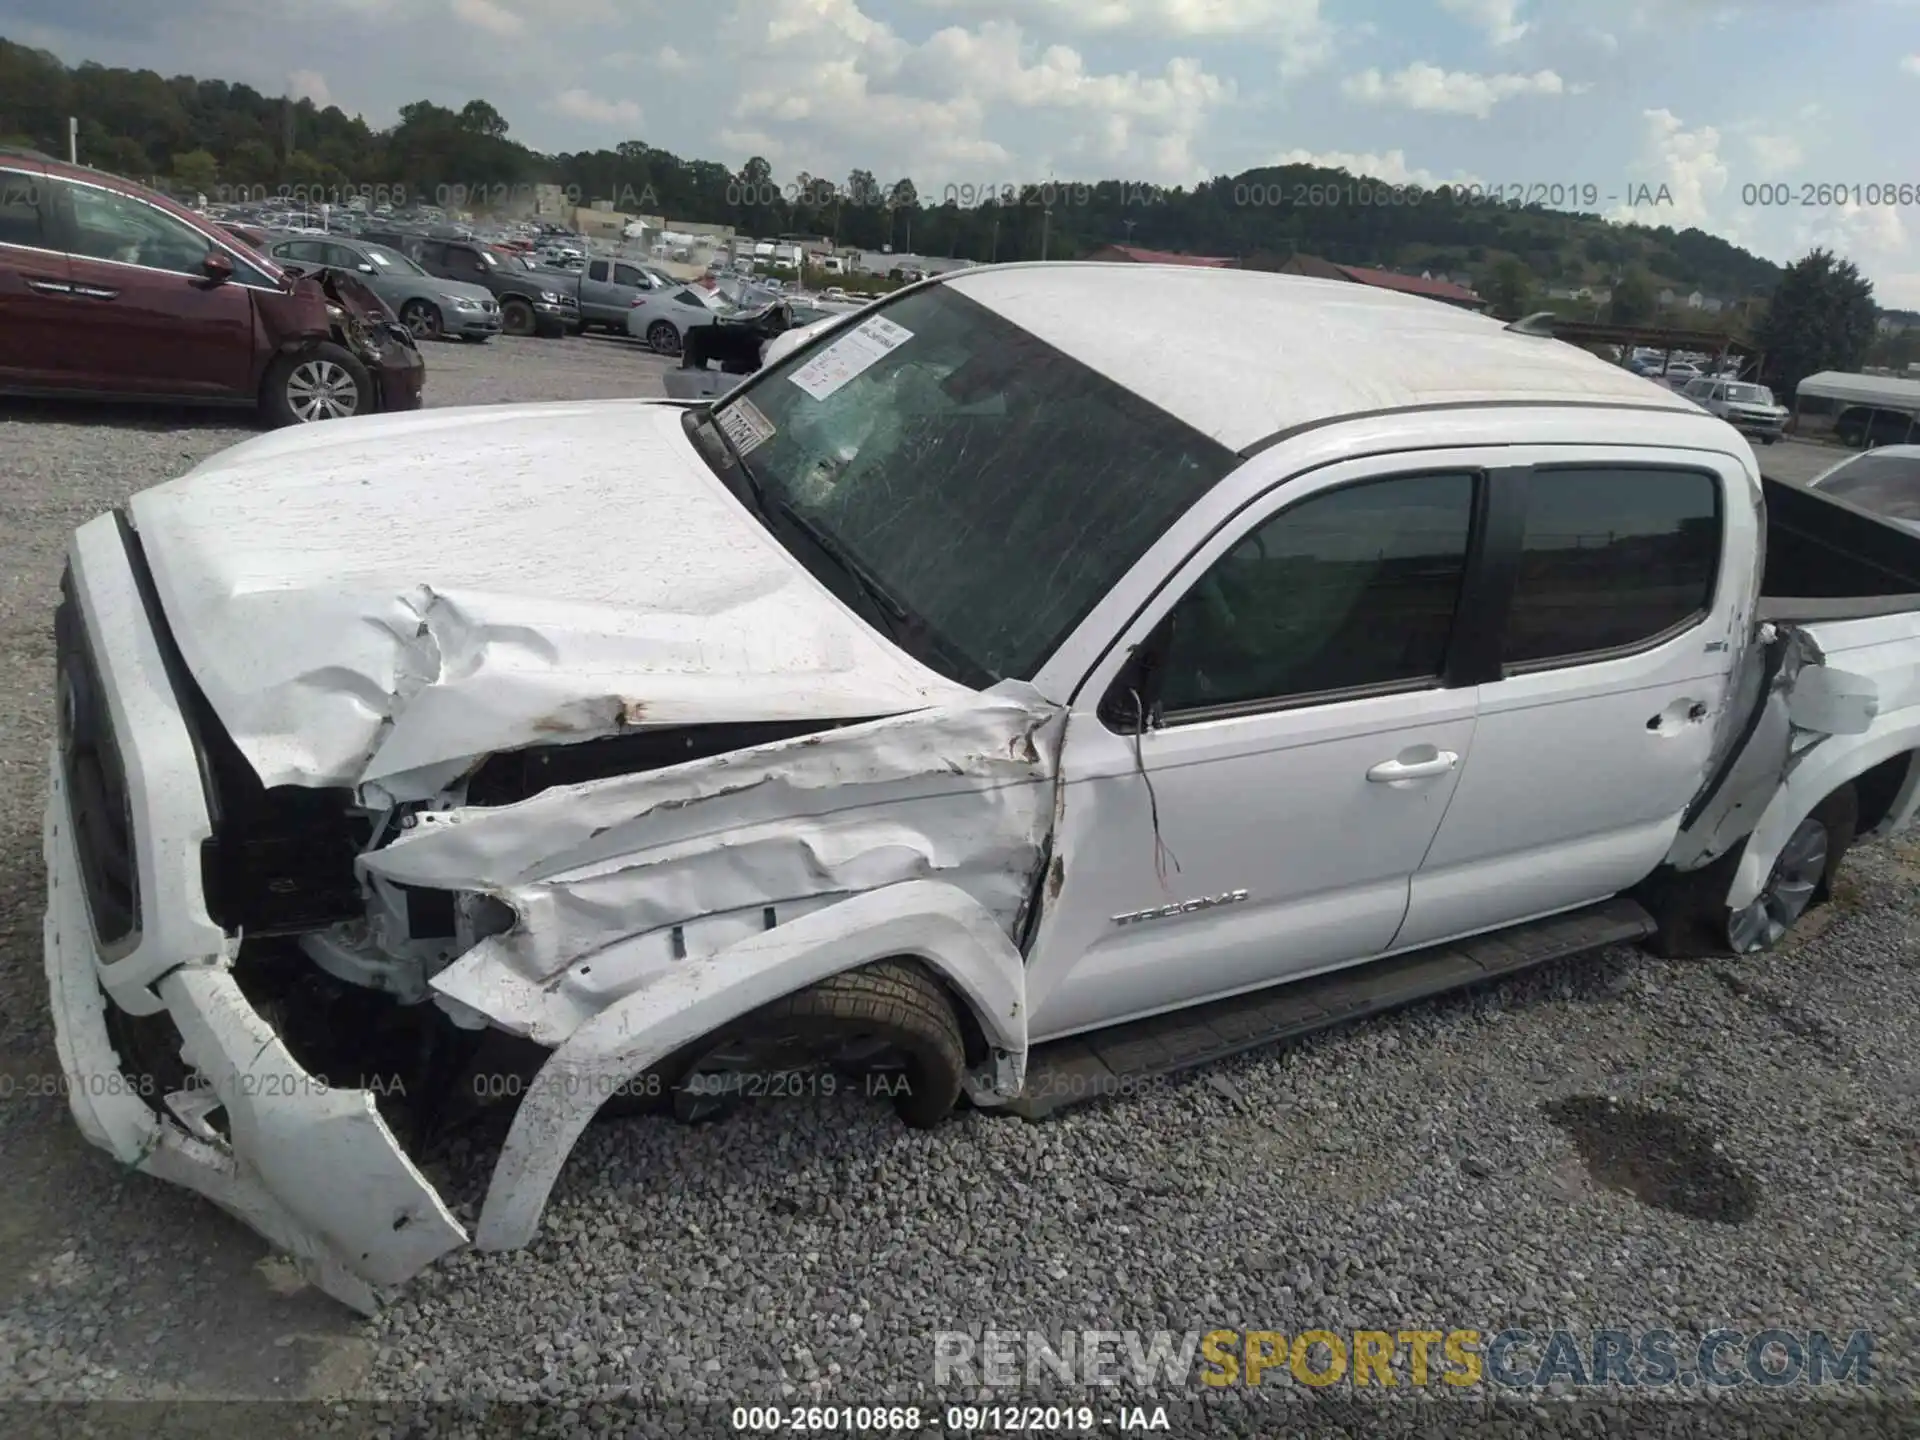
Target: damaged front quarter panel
point(677, 864)
point(652, 908)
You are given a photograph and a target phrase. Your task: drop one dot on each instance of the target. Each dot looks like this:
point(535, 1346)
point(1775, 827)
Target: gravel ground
point(1612, 1142)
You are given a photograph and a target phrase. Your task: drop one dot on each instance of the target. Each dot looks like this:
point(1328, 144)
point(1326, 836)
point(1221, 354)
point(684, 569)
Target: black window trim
point(1461, 658)
point(1691, 621)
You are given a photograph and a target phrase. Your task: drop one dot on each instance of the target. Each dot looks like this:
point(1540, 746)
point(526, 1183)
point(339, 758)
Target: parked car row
point(109, 290)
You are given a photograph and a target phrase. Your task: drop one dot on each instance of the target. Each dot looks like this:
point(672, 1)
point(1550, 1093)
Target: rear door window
point(1614, 558)
point(597, 270)
point(21, 222)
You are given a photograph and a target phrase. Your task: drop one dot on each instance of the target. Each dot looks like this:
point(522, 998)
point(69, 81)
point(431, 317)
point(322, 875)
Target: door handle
point(95, 292)
point(1387, 771)
point(50, 287)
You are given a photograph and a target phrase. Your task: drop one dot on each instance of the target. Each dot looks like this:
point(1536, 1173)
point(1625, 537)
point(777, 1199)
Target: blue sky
point(1708, 98)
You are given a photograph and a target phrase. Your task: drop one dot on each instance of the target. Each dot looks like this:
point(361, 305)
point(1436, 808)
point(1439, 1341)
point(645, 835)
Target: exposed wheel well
point(1879, 788)
point(971, 1033)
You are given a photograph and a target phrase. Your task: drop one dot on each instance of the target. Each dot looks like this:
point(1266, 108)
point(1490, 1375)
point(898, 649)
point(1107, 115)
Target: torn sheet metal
point(411, 591)
point(692, 858)
point(1757, 757)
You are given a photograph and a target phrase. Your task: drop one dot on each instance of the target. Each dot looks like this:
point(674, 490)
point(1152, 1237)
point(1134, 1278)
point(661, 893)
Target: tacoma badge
point(1184, 907)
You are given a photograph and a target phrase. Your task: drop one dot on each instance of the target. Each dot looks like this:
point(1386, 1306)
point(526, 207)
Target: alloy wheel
point(322, 390)
point(1761, 924)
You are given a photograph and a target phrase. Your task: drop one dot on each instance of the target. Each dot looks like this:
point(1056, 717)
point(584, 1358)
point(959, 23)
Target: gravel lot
point(1457, 1165)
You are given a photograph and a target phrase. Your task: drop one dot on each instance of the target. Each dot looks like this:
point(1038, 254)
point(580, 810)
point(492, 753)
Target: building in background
point(1134, 255)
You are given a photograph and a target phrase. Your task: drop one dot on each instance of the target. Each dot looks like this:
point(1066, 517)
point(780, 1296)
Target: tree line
point(212, 137)
point(207, 134)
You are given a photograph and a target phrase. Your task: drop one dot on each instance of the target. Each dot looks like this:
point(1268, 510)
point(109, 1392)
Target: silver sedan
point(663, 317)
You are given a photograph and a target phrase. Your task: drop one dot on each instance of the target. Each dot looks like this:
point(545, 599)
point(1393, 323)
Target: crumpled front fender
point(936, 923)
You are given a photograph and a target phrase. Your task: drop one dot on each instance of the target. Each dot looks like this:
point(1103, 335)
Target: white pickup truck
point(1039, 681)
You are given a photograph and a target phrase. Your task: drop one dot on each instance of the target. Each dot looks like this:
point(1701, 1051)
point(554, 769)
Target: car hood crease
point(382, 599)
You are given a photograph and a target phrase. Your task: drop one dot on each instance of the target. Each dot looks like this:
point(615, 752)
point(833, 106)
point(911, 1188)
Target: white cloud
point(1392, 167)
point(487, 15)
point(1425, 86)
point(671, 59)
point(1775, 155)
point(1296, 29)
point(309, 85)
point(584, 105)
point(824, 75)
point(1499, 19)
point(1686, 162)
point(1911, 64)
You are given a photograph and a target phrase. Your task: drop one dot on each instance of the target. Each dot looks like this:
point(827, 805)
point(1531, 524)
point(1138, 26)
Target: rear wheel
point(1691, 909)
point(888, 1028)
point(320, 382)
point(1802, 876)
point(517, 317)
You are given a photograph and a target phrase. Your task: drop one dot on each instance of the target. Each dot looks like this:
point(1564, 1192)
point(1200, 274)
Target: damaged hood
point(396, 595)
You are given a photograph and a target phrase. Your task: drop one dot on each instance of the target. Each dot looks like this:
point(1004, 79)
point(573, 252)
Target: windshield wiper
point(894, 614)
point(841, 556)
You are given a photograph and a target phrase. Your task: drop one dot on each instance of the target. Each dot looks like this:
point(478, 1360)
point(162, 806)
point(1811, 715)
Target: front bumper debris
point(313, 1169)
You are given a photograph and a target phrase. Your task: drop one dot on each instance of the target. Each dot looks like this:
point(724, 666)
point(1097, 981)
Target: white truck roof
point(1241, 354)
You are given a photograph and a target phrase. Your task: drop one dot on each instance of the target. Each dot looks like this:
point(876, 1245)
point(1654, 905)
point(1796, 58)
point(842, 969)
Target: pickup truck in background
point(1750, 409)
point(1038, 681)
point(610, 289)
point(532, 302)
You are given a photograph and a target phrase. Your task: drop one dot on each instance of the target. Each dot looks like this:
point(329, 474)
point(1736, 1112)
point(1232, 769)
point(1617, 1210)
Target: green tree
point(477, 117)
point(252, 162)
point(1821, 317)
point(197, 171)
point(1635, 300)
point(1508, 288)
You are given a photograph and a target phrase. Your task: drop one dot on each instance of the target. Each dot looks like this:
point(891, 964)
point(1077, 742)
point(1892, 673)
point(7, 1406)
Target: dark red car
point(111, 291)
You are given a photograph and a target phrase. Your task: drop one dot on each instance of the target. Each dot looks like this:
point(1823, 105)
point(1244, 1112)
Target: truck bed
point(1830, 561)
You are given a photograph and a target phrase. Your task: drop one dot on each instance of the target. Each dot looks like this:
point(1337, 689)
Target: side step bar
point(1111, 1062)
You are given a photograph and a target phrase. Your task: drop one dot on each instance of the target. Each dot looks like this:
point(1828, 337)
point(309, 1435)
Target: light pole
point(1046, 228)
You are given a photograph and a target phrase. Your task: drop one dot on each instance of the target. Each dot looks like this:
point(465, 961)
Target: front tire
point(517, 318)
point(423, 319)
point(663, 339)
point(318, 382)
point(891, 1020)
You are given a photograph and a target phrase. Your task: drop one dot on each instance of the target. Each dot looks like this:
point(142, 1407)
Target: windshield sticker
point(743, 424)
point(849, 355)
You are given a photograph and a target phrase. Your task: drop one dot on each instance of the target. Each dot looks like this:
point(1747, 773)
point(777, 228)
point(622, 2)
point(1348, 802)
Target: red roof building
point(1132, 254)
point(1443, 290)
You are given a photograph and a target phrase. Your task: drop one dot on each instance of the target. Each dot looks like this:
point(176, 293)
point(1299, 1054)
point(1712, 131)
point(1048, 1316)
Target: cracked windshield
point(959, 718)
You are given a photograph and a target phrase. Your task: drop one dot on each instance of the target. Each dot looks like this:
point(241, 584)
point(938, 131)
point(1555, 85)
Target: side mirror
point(364, 268)
point(217, 267)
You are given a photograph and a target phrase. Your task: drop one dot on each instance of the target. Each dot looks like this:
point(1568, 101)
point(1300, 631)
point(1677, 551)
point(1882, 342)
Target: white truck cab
point(1036, 681)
